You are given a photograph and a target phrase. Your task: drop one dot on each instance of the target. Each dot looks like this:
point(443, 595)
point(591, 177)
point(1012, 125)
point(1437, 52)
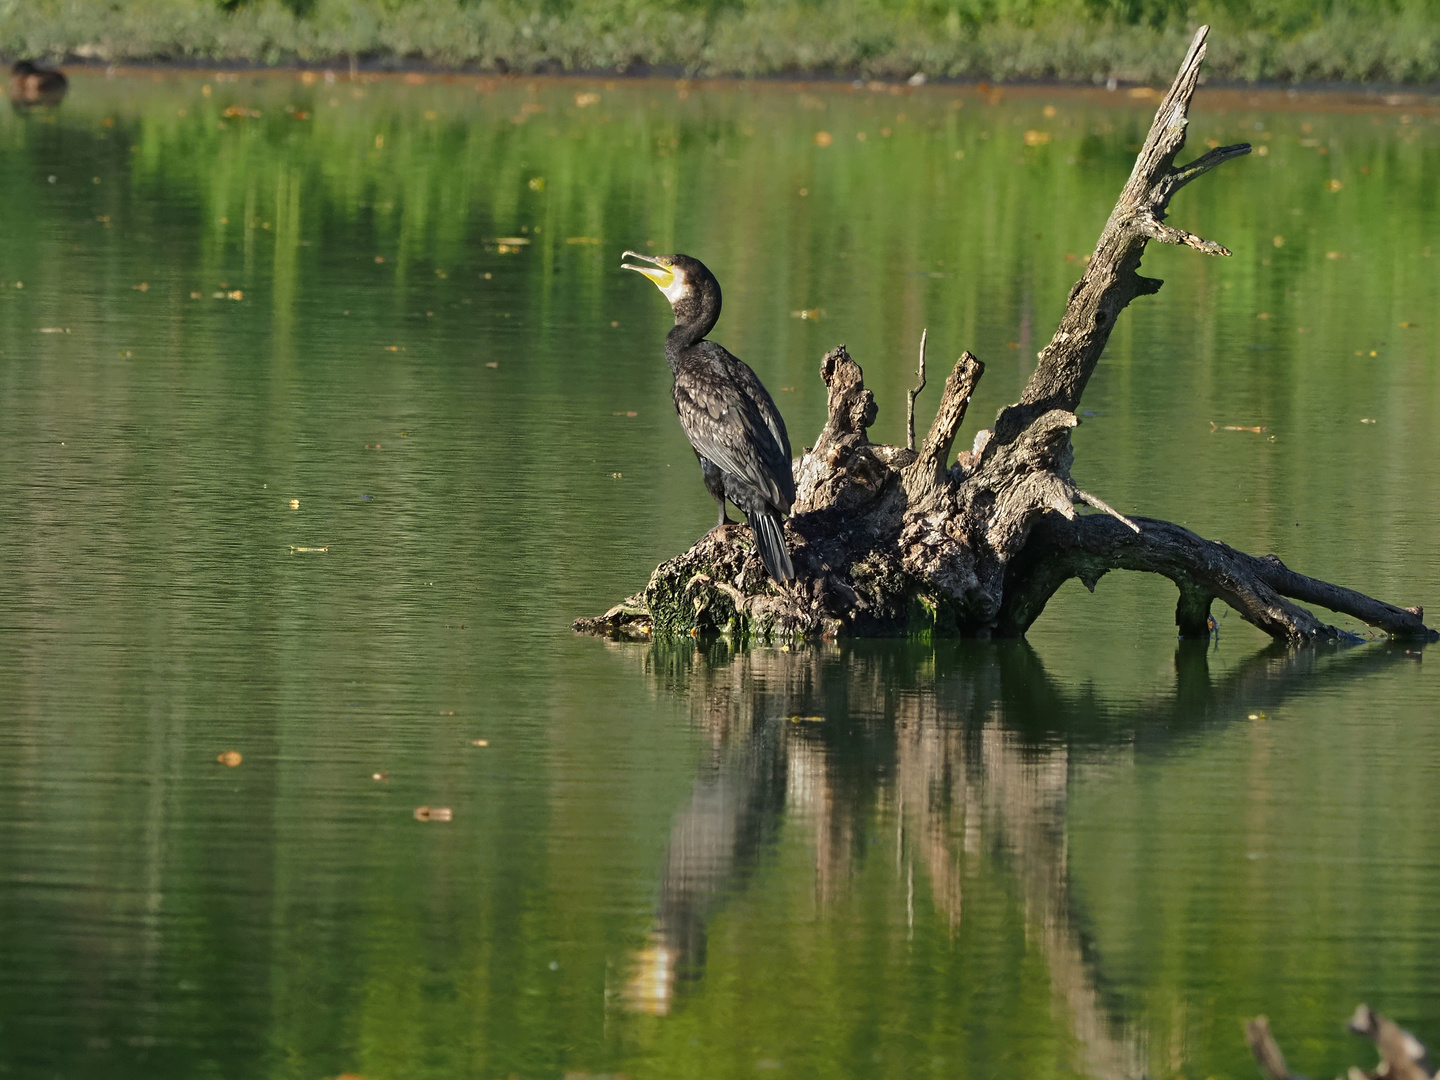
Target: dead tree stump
point(895, 540)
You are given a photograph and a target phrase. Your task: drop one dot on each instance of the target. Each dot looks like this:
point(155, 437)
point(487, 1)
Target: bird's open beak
point(661, 273)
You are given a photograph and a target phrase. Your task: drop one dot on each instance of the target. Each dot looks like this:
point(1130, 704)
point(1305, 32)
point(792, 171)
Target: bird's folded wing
point(725, 427)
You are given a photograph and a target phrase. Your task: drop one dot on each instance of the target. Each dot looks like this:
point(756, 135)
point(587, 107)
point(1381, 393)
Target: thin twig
point(1100, 504)
point(911, 395)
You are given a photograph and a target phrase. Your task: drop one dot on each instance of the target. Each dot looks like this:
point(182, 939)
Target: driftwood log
point(897, 540)
point(1402, 1056)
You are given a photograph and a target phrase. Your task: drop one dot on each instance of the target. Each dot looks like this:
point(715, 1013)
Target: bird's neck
point(688, 332)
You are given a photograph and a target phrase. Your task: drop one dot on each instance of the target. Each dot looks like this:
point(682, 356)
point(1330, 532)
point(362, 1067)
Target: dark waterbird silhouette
point(729, 417)
point(31, 84)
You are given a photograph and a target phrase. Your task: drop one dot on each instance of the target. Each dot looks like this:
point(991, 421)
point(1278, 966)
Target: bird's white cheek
point(675, 290)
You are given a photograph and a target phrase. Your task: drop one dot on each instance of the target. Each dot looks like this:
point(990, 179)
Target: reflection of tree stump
point(890, 539)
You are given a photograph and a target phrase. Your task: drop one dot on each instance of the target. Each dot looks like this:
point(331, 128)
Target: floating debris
point(632, 412)
point(807, 719)
point(1253, 429)
point(59, 330)
point(479, 742)
point(582, 240)
point(1332, 185)
point(308, 550)
point(433, 813)
point(492, 363)
point(1367, 420)
point(230, 758)
point(585, 100)
point(380, 776)
point(294, 504)
point(823, 138)
point(1036, 138)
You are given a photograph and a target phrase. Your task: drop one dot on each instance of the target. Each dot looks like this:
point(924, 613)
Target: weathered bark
point(1402, 1056)
point(895, 540)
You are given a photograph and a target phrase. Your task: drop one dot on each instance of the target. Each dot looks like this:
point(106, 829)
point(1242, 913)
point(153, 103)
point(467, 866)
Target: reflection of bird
point(31, 84)
point(738, 434)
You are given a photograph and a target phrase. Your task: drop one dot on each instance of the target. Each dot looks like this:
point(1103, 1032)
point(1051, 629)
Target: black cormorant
point(31, 84)
point(730, 419)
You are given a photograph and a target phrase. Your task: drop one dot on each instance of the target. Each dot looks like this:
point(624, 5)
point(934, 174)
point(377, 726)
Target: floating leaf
point(230, 758)
point(66, 329)
point(380, 776)
point(492, 364)
point(433, 813)
point(1332, 185)
point(294, 504)
point(479, 742)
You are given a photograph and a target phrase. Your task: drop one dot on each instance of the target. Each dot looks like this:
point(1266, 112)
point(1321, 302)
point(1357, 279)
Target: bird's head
point(687, 283)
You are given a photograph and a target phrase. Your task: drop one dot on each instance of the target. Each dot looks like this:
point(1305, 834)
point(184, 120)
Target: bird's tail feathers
point(770, 541)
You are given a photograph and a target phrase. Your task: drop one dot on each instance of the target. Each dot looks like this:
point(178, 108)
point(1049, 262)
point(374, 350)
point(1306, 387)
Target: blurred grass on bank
point(1068, 40)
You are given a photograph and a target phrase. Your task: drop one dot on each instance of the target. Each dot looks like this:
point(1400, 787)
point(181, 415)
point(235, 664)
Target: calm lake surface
point(325, 408)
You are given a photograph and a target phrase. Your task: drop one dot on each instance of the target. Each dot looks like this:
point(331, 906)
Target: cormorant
point(730, 419)
point(31, 84)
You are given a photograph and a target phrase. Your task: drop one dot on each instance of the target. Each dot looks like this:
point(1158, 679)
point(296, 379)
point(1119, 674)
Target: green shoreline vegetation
point(1289, 41)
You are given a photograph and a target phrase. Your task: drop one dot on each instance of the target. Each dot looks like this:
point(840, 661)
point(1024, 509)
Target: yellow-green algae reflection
point(324, 407)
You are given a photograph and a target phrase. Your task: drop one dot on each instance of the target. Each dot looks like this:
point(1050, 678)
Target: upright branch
point(911, 395)
point(903, 539)
point(1111, 279)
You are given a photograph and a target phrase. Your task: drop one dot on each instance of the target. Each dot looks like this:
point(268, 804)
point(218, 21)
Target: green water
point(1088, 854)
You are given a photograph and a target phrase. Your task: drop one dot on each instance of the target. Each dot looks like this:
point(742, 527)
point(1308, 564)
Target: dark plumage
point(730, 419)
point(31, 84)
